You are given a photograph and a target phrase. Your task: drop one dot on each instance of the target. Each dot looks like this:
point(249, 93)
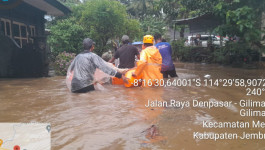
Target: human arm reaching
point(103, 66)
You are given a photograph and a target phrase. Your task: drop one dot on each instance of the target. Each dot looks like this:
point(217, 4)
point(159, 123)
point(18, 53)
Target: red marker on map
point(16, 147)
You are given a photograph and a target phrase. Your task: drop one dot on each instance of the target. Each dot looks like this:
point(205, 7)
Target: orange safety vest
point(148, 68)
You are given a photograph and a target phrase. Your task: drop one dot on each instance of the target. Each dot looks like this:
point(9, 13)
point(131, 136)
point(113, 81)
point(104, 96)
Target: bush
point(63, 60)
point(67, 36)
point(180, 51)
point(191, 53)
point(220, 56)
point(236, 54)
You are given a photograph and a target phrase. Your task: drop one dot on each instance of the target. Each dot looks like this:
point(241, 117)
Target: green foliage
point(67, 36)
point(133, 29)
point(220, 56)
point(238, 17)
point(200, 6)
point(141, 8)
point(233, 53)
point(70, 3)
point(63, 60)
point(151, 25)
point(173, 9)
point(242, 22)
point(103, 19)
point(236, 53)
point(100, 20)
point(241, 18)
point(180, 51)
point(107, 20)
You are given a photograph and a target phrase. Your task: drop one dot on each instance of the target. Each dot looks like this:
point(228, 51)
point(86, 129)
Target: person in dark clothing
point(168, 68)
point(126, 53)
point(81, 72)
point(197, 40)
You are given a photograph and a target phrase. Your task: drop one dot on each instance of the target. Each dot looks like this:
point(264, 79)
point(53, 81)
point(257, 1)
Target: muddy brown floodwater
point(116, 118)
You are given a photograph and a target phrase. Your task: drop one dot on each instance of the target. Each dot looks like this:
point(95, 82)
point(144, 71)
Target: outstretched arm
point(103, 66)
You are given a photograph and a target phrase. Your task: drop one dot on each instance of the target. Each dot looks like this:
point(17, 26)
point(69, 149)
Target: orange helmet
point(148, 39)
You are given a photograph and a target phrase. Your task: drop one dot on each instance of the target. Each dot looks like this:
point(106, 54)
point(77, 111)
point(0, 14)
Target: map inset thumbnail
point(25, 136)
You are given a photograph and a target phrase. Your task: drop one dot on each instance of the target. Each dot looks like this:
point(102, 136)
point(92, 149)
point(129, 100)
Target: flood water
point(116, 118)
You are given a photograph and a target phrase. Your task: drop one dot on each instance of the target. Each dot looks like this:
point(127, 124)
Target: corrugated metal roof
point(201, 23)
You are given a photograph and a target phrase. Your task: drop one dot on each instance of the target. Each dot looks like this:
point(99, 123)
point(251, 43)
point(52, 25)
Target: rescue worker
point(149, 66)
point(126, 53)
point(82, 69)
point(168, 68)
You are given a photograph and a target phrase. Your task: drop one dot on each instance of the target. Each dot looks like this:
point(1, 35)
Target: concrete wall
point(170, 33)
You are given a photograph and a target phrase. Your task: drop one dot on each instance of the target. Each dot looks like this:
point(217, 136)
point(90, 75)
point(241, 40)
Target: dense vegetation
point(241, 18)
point(101, 20)
point(105, 21)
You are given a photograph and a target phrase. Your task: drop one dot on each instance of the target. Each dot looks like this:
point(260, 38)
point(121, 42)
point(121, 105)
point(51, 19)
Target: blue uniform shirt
point(165, 51)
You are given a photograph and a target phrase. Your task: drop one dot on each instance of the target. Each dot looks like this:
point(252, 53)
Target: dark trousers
point(172, 73)
point(85, 89)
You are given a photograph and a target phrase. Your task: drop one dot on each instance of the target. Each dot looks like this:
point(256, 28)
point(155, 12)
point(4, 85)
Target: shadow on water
point(116, 118)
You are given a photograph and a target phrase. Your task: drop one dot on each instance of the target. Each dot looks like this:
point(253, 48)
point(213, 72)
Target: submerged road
point(122, 118)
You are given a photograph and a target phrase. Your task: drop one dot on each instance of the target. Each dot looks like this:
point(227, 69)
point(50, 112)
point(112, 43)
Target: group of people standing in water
point(154, 63)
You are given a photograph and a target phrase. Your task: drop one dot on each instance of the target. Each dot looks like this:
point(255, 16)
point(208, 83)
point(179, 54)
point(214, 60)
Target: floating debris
point(207, 76)
point(152, 134)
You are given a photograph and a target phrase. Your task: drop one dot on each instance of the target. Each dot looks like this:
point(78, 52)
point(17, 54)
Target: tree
point(73, 5)
point(200, 6)
point(151, 25)
point(133, 29)
point(241, 18)
point(238, 17)
point(70, 3)
point(66, 36)
point(104, 20)
point(100, 20)
point(140, 9)
point(173, 9)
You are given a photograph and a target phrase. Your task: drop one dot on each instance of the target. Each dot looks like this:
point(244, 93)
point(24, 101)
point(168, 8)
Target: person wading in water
point(82, 69)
